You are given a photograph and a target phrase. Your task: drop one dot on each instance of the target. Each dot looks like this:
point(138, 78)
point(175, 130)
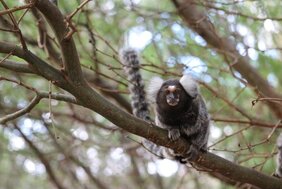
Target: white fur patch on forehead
point(189, 85)
point(154, 87)
point(171, 88)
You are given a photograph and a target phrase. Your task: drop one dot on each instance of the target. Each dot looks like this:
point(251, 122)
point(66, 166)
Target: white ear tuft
point(154, 87)
point(189, 85)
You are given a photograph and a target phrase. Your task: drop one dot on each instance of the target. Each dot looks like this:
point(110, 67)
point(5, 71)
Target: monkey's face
point(171, 94)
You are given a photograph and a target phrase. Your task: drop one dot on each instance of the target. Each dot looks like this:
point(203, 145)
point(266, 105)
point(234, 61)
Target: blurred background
point(63, 145)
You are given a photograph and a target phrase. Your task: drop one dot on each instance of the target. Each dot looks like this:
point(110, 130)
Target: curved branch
point(21, 112)
point(34, 102)
point(39, 66)
point(199, 22)
point(69, 53)
point(60, 97)
point(16, 66)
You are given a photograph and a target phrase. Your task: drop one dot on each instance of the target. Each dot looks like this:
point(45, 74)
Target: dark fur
point(185, 113)
point(188, 119)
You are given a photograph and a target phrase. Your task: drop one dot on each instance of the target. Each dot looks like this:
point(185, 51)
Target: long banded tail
point(139, 103)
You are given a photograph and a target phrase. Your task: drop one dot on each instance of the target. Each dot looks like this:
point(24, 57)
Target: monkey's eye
point(177, 90)
point(166, 91)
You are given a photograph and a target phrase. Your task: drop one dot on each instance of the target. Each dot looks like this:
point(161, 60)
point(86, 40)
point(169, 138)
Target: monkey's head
point(173, 93)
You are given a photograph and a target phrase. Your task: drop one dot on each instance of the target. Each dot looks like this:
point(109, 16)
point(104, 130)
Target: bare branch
point(69, 20)
point(14, 9)
point(10, 14)
point(70, 56)
point(60, 97)
point(16, 66)
point(21, 112)
point(254, 123)
point(40, 66)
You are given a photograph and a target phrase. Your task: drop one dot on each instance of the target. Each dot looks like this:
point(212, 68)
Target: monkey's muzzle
point(172, 99)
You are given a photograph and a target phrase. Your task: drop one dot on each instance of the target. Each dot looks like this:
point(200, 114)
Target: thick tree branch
point(199, 22)
point(39, 66)
point(69, 53)
point(16, 66)
point(27, 68)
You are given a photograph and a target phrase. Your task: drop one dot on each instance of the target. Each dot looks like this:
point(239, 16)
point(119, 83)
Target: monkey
point(179, 108)
point(279, 157)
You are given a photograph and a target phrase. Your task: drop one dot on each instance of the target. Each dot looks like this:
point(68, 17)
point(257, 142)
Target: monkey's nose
point(172, 100)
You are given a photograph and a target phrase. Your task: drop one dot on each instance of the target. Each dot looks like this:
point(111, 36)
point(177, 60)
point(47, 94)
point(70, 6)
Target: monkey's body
point(186, 115)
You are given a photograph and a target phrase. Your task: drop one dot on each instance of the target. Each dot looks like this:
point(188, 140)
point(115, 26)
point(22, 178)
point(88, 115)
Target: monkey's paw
point(173, 134)
point(192, 154)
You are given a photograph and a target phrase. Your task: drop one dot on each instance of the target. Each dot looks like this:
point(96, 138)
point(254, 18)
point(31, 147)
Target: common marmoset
point(179, 108)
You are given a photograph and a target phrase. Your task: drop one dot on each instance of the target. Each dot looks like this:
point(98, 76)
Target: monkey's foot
point(192, 154)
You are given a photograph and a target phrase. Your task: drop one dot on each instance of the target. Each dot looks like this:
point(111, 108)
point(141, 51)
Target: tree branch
point(16, 66)
point(69, 53)
point(40, 66)
point(21, 112)
point(34, 102)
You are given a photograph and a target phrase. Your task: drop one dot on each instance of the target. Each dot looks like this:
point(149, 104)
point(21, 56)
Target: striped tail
point(139, 103)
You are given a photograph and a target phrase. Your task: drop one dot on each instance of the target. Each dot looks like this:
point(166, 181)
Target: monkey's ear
point(279, 142)
point(154, 87)
point(189, 85)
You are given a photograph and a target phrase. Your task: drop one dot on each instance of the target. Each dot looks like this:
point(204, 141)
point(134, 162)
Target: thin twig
point(21, 112)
